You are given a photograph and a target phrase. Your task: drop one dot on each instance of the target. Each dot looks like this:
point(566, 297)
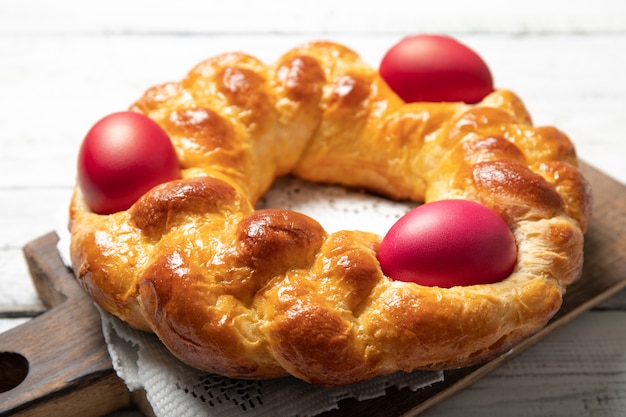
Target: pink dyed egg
point(447, 243)
point(435, 68)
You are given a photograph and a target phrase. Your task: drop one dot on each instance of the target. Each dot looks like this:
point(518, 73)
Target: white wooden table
point(65, 64)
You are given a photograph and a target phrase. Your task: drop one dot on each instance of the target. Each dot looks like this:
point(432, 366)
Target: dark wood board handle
point(69, 371)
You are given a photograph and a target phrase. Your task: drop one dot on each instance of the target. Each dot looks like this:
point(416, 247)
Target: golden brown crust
point(262, 294)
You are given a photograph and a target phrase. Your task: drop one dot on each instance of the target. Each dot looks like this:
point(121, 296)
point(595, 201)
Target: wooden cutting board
point(58, 364)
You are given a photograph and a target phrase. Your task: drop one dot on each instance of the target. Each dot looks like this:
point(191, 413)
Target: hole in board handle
point(13, 370)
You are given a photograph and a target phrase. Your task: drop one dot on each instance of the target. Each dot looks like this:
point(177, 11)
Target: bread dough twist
point(265, 293)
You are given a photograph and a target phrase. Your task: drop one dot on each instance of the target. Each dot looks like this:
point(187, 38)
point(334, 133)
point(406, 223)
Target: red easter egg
point(123, 156)
point(448, 243)
point(435, 68)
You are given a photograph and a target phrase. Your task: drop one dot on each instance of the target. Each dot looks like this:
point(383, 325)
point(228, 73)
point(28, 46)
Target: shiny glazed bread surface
point(265, 293)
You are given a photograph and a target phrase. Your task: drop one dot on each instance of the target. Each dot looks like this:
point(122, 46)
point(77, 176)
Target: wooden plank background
point(65, 64)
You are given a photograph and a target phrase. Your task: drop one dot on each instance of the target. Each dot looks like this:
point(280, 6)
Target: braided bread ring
point(265, 293)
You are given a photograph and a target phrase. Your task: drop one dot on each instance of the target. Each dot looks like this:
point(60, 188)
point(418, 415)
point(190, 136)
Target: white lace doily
point(176, 390)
